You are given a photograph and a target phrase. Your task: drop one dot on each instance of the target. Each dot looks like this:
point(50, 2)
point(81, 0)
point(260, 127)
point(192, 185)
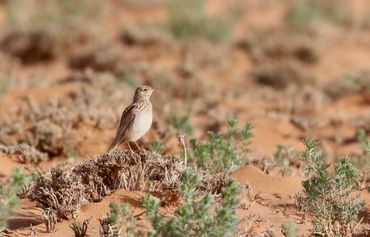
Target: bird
point(136, 119)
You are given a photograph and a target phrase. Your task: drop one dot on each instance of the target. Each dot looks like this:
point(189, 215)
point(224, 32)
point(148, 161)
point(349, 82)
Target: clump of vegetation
point(29, 47)
point(25, 153)
point(157, 146)
point(145, 36)
point(195, 216)
point(274, 47)
point(98, 59)
point(223, 152)
point(330, 196)
point(64, 22)
point(303, 14)
point(181, 124)
point(4, 84)
point(281, 74)
point(50, 219)
point(9, 195)
point(119, 214)
point(289, 229)
point(285, 158)
point(348, 84)
point(188, 19)
point(80, 230)
point(364, 160)
point(51, 126)
point(67, 190)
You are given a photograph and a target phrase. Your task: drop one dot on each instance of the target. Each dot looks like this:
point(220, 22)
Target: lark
point(136, 119)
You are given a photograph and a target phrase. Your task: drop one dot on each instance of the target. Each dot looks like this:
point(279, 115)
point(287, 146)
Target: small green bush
point(289, 229)
point(364, 159)
point(182, 124)
point(330, 195)
point(9, 200)
point(119, 214)
point(79, 229)
point(223, 152)
point(285, 157)
point(195, 217)
point(303, 13)
point(187, 19)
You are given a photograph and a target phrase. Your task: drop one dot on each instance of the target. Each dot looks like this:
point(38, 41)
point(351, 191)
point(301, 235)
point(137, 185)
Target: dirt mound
point(66, 190)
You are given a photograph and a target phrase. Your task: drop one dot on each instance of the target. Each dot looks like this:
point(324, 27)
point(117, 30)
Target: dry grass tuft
point(25, 153)
point(276, 47)
point(67, 190)
point(146, 36)
point(99, 59)
point(52, 126)
point(348, 84)
point(282, 74)
point(29, 47)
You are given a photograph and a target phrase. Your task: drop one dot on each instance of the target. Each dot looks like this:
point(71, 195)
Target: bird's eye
point(145, 89)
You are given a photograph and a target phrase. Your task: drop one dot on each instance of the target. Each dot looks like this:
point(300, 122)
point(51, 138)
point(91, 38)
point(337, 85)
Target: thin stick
point(182, 141)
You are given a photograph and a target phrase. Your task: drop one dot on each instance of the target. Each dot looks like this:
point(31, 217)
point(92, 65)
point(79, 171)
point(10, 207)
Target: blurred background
point(291, 68)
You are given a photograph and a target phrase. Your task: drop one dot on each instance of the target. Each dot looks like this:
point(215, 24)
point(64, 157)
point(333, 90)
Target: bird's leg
point(128, 143)
point(137, 146)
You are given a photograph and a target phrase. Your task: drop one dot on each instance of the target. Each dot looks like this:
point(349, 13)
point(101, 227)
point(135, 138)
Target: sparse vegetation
point(181, 124)
point(303, 14)
point(289, 229)
point(364, 160)
point(50, 219)
point(67, 190)
point(54, 18)
point(69, 68)
point(25, 153)
point(194, 217)
point(282, 74)
point(9, 200)
point(4, 84)
point(109, 224)
point(223, 152)
point(285, 157)
point(157, 146)
point(80, 230)
point(330, 196)
point(189, 20)
point(348, 84)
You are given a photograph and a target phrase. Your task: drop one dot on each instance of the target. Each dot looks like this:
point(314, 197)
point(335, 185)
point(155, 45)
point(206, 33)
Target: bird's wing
point(127, 118)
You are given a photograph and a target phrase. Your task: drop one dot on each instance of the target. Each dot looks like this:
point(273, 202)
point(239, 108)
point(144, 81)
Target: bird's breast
point(140, 126)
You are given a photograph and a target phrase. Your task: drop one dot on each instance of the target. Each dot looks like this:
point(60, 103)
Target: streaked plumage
point(136, 119)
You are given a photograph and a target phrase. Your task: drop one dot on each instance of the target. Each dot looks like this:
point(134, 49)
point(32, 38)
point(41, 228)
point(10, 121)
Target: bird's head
point(143, 92)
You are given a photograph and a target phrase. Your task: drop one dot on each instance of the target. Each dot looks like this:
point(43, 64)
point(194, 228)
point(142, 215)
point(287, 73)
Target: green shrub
point(9, 200)
point(364, 159)
point(119, 214)
point(66, 21)
point(303, 13)
point(223, 152)
point(187, 19)
point(4, 85)
point(79, 229)
point(289, 229)
point(285, 158)
point(181, 124)
point(195, 217)
point(157, 146)
point(330, 195)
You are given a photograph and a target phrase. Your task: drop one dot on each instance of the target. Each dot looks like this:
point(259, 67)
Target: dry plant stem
point(182, 141)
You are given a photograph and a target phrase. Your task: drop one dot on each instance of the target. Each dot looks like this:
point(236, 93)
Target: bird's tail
point(114, 143)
